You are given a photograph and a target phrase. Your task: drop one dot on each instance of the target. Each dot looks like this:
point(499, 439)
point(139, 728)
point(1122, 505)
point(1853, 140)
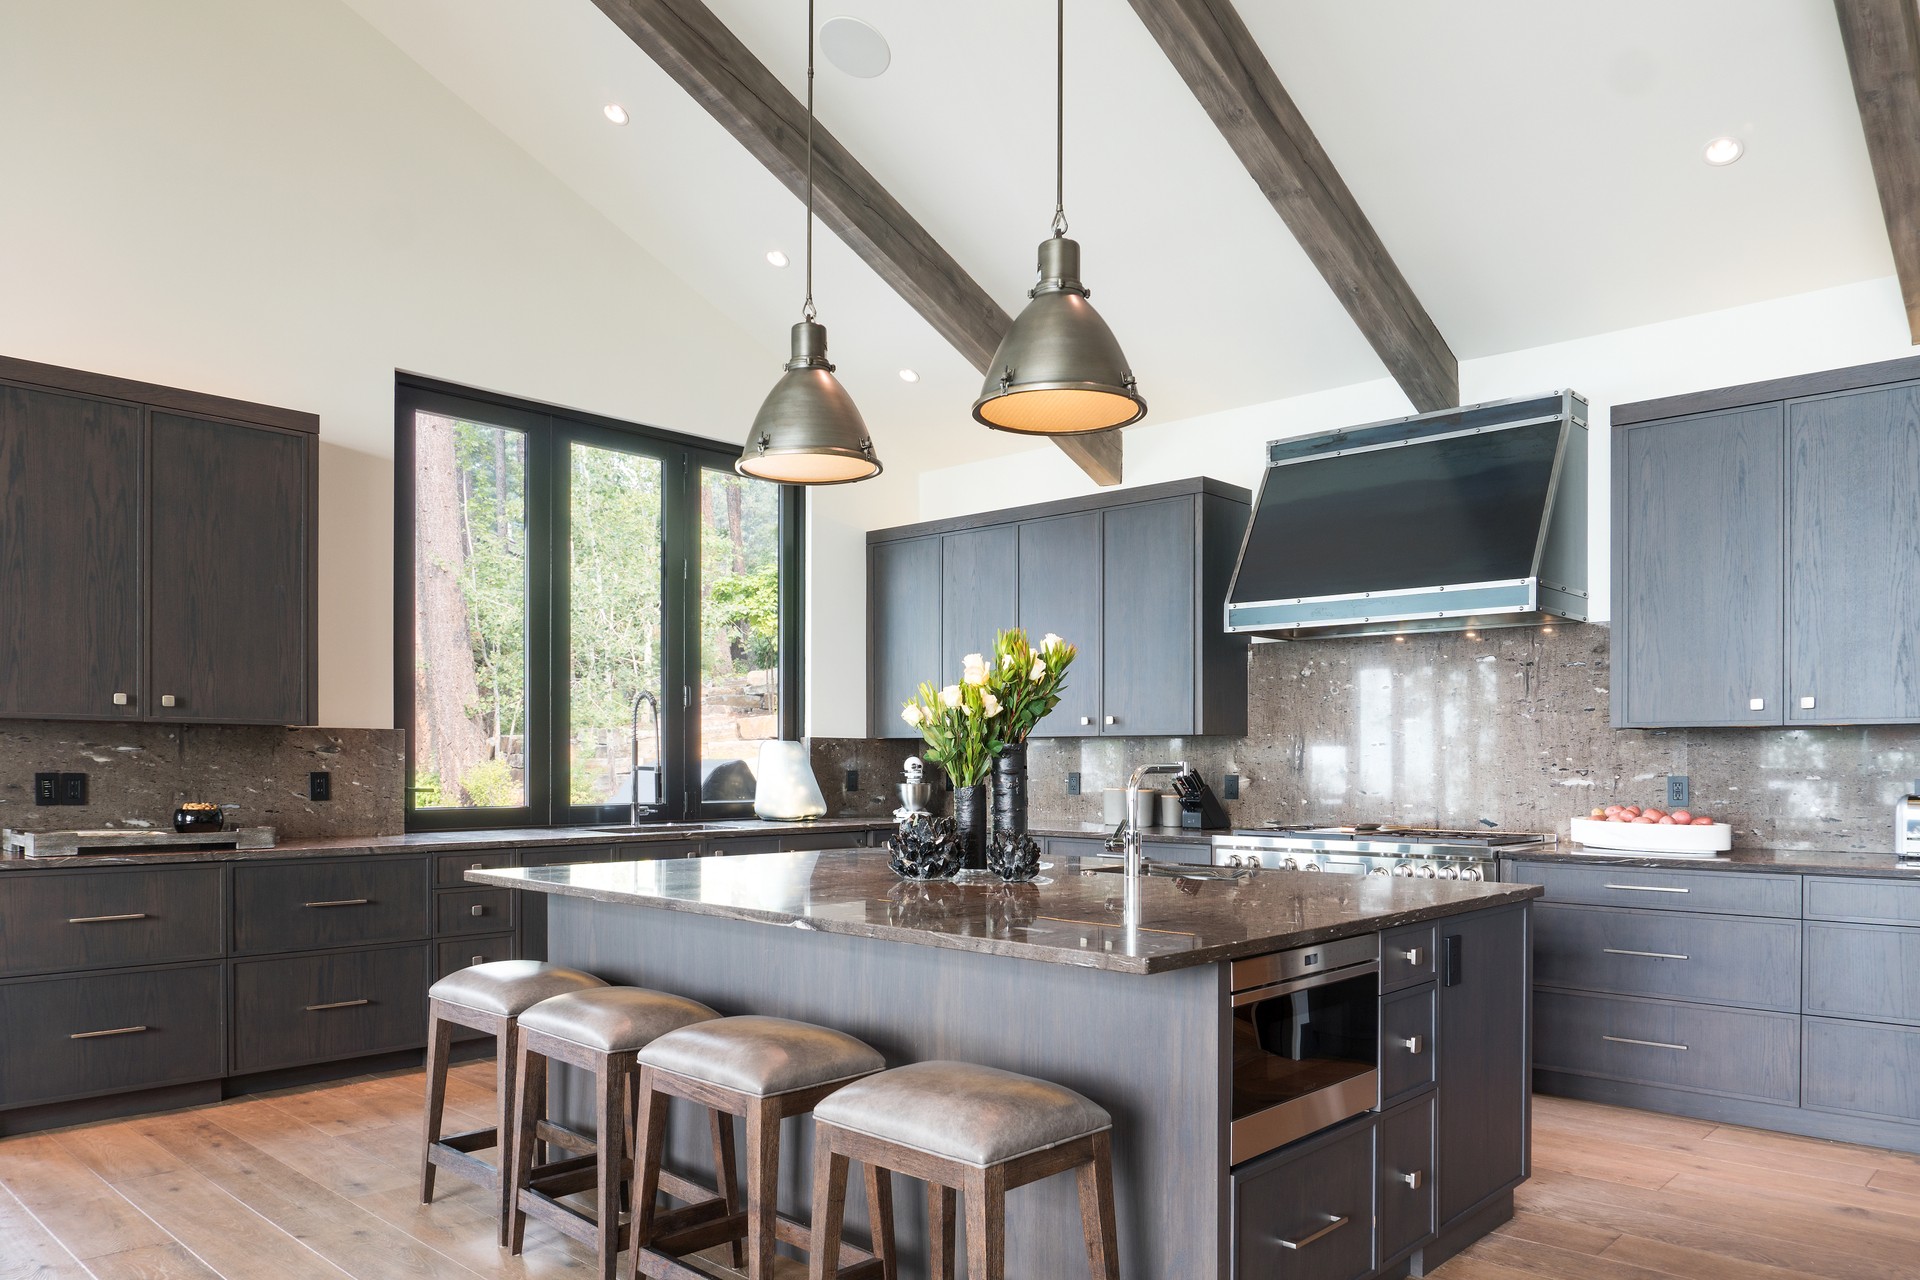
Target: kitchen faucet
point(1130, 832)
point(633, 740)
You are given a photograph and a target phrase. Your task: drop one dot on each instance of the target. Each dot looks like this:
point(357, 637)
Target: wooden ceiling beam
point(1882, 39)
point(1214, 53)
point(717, 69)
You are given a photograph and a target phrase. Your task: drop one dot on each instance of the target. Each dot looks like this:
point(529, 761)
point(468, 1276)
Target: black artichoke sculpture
point(1014, 856)
point(925, 848)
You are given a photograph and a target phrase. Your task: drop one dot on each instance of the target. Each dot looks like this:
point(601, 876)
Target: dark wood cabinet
point(904, 596)
point(1306, 1212)
point(76, 1037)
point(1149, 673)
point(106, 919)
point(308, 905)
point(1061, 594)
point(319, 1008)
point(1403, 1212)
point(157, 556)
point(979, 595)
point(1484, 1104)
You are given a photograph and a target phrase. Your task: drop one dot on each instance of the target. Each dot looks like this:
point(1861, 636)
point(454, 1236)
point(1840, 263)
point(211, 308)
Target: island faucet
point(634, 806)
point(1130, 832)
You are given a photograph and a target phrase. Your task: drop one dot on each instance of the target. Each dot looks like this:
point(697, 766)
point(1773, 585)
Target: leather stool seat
point(613, 1019)
point(761, 1056)
point(961, 1111)
point(508, 988)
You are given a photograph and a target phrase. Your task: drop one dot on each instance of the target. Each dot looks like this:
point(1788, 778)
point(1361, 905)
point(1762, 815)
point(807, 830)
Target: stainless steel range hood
point(1465, 518)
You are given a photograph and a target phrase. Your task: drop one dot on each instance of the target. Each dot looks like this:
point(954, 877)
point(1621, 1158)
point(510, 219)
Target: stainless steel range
point(1367, 850)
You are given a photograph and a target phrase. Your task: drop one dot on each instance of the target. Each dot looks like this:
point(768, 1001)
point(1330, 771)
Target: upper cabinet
point(1137, 579)
point(1766, 553)
point(156, 553)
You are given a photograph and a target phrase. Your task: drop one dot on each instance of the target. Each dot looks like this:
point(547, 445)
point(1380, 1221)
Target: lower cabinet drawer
point(1674, 955)
point(1406, 1042)
point(1863, 1068)
point(104, 1033)
point(1307, 1215)
point(1863, 971)
point(1405, 1213)
point(450, 869)
point(1863, 901)
point(1740, 1053)
point(1406, 956)
point(463, 953)
point(1739, 893)
point(321, 1008)
point(472, 911)
point(306, 906)
point(104, 919)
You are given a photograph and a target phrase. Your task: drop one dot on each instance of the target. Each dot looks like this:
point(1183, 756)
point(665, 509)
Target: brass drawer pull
point(1651, 955)
point(342, 902)
point(116, 1031)
point(337, 1004)
point(1306, 1240)
point(131, 915)
point(1650, 888)
point(1649, 1044)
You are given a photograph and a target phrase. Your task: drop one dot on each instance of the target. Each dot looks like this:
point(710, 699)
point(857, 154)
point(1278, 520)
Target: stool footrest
point(472, 1140)
point(481, 1172)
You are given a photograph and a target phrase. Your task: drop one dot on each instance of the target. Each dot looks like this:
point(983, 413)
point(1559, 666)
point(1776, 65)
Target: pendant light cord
point(1059, 118)
point(807, 311)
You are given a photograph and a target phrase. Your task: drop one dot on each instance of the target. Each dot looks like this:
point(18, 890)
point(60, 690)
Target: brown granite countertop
point(1075, 917)
point(1780, 861)
point(455, 842)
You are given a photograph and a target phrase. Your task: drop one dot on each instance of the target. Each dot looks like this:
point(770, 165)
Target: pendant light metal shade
point(1059, 371)
point(808, 430)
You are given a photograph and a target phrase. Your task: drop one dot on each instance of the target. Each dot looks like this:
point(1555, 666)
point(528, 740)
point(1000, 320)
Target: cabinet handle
point(337, 1004)
point(1412, 955)
point(342, 902)
point(1413, 1180)
point(115, 1031)
point(1116, 720)
point(1806, 704)
point(478, 866)
point(1413, 1043)
point(1756, 704)
point(1650, 888)
point(131, 915)
point(1086, 719)
point(1651, 955)
point(478, 960)
point(119, 699)
point(1650, 1044)
point(479, 910)
point(168, 700)
point(1303, 1241)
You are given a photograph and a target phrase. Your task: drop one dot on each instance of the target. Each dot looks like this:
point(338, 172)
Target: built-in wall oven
point(1306, 1042)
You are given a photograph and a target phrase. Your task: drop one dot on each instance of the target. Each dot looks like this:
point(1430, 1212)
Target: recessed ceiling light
point(1724, 151)
point(615, 112)
point(855, 47)
point(775, 258)
point(908, 375)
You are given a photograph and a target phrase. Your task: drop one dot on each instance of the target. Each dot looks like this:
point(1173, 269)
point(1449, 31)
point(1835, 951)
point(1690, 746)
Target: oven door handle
point(1306, 982)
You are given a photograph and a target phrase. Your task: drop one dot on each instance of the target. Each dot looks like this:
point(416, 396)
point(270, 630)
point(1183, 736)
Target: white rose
point(1039, 671)
point(911, 714)
point(989, 703)
point(1050, 642)
point(973, 669)
point(950, 696)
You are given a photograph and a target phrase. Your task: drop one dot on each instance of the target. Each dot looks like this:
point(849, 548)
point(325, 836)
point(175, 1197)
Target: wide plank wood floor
point(320, 1184)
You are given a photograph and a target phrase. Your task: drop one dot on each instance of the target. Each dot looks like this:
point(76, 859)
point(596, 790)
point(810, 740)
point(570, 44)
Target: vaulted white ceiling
point(1534, 168)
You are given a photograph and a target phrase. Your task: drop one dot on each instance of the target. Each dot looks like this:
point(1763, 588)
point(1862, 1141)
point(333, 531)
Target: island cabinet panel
point(1482, 1069)
point(72, 519)
point(1730, 960)
point(1730, 1053)
point(305, 906)
point(1306, 1213)
point(1863, 1069)
point(107, 919)
point(1658, 889)
point(979, 594)
point(1863, 971)
point(1404, 1194)
point(343, 1004)
point(1149, 669)
point(76, 1037)
point(903, 628)
point(1853, 557)
point(1060, 594)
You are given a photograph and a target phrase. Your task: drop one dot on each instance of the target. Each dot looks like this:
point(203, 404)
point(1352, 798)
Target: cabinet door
point(979, 586)
point(1150, 589)
point(232, 519)
point(1060, 593)
point(1482, 1067)
point(903, 628)
point(1853, 557)
point(1698, 570)
point(70, 522)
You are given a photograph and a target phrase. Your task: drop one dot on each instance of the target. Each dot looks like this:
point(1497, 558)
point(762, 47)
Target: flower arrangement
point(961, 723)
point(1027, 681)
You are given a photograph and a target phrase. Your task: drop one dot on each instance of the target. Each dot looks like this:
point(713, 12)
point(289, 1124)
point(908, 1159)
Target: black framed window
point(589, 615)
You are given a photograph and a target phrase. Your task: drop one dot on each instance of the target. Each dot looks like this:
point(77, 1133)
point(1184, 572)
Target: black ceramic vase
point(1010, 788)
point(970, 817)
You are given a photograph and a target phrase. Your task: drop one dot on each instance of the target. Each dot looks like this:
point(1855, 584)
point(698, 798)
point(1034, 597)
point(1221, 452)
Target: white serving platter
point(1649, 837)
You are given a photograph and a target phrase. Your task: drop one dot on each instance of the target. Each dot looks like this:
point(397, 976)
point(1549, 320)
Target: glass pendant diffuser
point(1059, 370)
point(808, 430)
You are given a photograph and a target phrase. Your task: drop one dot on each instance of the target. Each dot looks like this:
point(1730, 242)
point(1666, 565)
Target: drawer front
point(1177, 851)
point(1405, 1194)
point(807, 841)
point(1320, 1200)
point(308, 906)
point(1675, 955)
point(1735, 1053)
point(1406, 1042)
point(456, 954)
point(160, 1027)
point(1077, 847)
point(450, 869)
point(1738, 893)
point(107, 919)
point(322, 1008)
point(1406, 956)
point(721, 845)
point(1863, 1068)
point(1863, 901)
point(472, 911)
point(1863, 971)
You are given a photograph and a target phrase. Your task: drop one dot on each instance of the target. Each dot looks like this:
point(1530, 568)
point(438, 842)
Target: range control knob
point(1472, 873)
point(1403, 869)
point(1311, 866)
point(1291, 864)
point(1426, 872)
point(1449, 873)
point(1378, 871)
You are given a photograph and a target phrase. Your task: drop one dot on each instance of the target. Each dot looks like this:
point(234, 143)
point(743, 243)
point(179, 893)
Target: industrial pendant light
point(1059, 371)
point(808, 430)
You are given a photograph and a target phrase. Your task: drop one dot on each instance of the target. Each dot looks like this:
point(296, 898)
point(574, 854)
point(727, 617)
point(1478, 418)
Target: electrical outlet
point(1073, 784)
point(1231, 791)
point(1677, 791)
point(319, 785)
point(73, 788)
point(46, 788)
point(853, 781)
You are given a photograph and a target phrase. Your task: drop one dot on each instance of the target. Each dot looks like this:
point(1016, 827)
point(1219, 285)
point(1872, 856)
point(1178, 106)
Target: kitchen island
point(1059, 980)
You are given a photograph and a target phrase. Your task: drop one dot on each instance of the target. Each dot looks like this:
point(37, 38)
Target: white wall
point(266, 199)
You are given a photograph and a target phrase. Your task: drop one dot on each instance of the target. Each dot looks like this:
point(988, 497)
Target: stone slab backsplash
point(138, 774)
point(1507, 727)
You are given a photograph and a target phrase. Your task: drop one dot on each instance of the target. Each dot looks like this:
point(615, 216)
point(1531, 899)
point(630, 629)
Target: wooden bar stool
point(983, 1132)
point(599, 1030)
point(489, 998)
point(763, 1070)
